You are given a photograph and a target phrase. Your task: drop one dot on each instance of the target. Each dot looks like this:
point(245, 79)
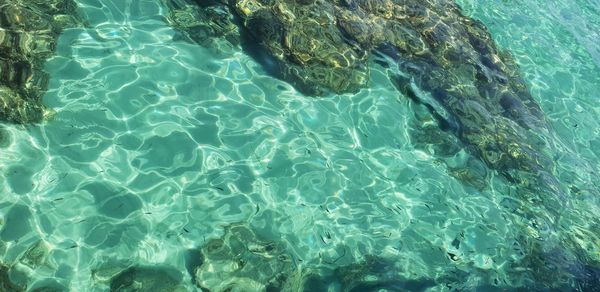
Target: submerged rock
point(298, 42)
point(35, 255)
point(203, 26)
point(377, 274)
point(438, 58)
point(28, 33)
point(305, 41)
point(241, 261)
point(5, 138)
point(155, 279)
point(6, 285)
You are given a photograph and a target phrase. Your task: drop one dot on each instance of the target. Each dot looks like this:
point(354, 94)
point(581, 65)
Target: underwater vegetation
point(444, 61)
point(28, 33)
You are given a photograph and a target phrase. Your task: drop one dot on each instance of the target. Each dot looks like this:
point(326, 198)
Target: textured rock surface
point(445, 61)
point(5, 283)
point(147, 279)
point(240, 261)
point(28, 33)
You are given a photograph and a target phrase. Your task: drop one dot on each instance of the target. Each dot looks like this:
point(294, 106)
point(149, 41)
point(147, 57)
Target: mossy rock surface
point(470, 85)
point(242, 261)
point(6, 285)
point(437, 57)
point(28, 33)
point(142, 278)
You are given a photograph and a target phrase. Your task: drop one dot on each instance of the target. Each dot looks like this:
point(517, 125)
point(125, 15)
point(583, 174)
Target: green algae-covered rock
point(298, 41)
point(35, 255)
point(306, 43)
point(241, 261)
point(472, 87)
point(205, 25)
point(28, 33)
point(377, 274)
point(155, 279)
point(439, 58)
point(6, 285)
point(15, 108)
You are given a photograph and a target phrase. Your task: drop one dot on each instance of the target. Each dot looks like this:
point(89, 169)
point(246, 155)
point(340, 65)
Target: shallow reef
point(443, 61)
point(5, 139)
point(147, 279)
point(5, 282)
point(15, 277)
point(436, 56)
point(241, 261)
point(28, 33)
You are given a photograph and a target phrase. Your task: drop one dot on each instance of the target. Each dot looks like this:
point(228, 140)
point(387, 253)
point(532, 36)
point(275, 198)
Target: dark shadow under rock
point(6, 285)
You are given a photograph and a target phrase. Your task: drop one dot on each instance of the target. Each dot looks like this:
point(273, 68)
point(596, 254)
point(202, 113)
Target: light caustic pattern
point(158, 144)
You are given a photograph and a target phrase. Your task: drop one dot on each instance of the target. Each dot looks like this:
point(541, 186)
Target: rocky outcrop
point(241, 261)
point(439, 58)
point(5, 282)
point(28, 33)
point(140, 278)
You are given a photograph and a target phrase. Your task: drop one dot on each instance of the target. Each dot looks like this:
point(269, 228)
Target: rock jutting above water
point(28, 33)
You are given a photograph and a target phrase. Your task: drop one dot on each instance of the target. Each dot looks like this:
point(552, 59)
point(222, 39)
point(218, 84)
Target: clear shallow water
point(158, 144)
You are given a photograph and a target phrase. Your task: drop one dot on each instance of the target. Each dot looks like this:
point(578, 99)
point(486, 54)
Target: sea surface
point(157, 144)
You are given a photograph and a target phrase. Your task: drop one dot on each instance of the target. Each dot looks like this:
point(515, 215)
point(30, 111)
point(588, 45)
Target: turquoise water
point(158, 144)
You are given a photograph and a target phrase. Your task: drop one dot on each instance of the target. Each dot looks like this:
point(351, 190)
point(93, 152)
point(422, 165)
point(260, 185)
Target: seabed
point(299, 145)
